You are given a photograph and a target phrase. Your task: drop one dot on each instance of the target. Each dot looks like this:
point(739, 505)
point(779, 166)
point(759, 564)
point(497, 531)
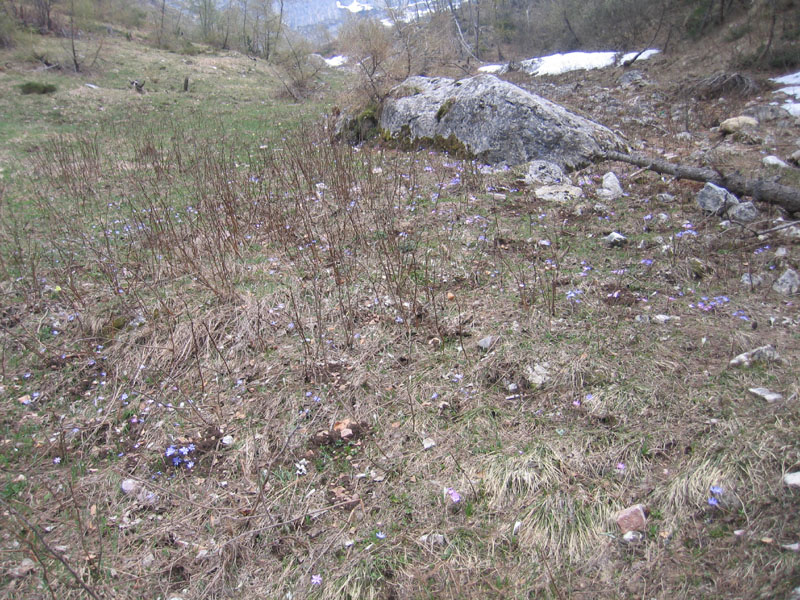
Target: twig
point(58, 556)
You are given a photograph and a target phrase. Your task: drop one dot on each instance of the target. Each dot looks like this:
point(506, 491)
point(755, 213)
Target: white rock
point(537, 375)
point(735, 124)
point(762, 354)
point(774, 161)
point(558, 193)
point(615, 240)
point(765, 394)
point(633, 537)
point(434, 539)
point(791, 547)
point(611, 189)
point(227, 440)
point(792, 479)
point(664, 319)
point(428, 443)
point(715, 199)
point(130, 487)
point(23, 568)
point(752, 280)
point(788, 283)
point(544, 173)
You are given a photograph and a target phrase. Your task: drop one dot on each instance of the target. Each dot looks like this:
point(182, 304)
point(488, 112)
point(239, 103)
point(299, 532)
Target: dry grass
point(242, 293)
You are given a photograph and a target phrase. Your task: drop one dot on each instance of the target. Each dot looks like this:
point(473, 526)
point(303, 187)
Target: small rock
point(792, 479)
point(486, 343)
point(611, 189)
point(148, 560)
point(22, 569)
point(751, 280)
point(765, 394)
point(428, 443)
point(631, 77)
point(130, 487)
point(715, 199)
point(227, 440)
point(497, 196)
point(744, 212)
point(544, 173)
point(774, 161)
point(665, 198)
point(433, 539)
point(664, 319)
point(791, 547)
point(537, 375)
point(615, 240)
point(735, 124)
point(794, 158)
point(762, 354)
point(781, 252)
point(632, 519)
point(788, 283)
point(512, 388)
point(558, 193)
point(633, 537)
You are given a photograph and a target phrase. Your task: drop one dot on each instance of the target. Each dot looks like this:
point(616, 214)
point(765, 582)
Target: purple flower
point(316, 579)
point(57, 460)
point(713, 501)
point(170, 451)
point(176, 461)
point(620, 467)
point(380, 535)
point(716, 490)
point(454, 495)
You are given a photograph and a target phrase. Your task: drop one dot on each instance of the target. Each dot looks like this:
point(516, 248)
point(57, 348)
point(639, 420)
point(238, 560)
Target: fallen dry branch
point(785, 196)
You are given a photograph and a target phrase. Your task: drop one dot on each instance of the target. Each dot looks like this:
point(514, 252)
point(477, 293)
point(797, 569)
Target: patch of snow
point(491, 68)
point(354, 7)
point(625, 58)
point(790, 91)
point(793, 108)
point(556, 64)
point(791, 79)
point(335, 61)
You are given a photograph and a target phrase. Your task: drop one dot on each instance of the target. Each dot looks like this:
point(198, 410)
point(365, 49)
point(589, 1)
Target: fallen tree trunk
point(785, 196)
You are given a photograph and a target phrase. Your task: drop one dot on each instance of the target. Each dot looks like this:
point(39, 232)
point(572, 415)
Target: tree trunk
point(785, 196)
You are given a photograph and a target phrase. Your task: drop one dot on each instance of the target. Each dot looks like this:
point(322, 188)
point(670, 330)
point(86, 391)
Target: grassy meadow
point(243, 360)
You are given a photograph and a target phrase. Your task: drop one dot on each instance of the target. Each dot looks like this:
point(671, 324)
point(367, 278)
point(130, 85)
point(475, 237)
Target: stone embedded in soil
point(537, 375)
point(428, 443)
point(130, 487)
point(792, 479)
point(633, 537)
point(762, 354)
point(715, 199)
point(794, 158)
point(558, 193)
point(735, 124)
point(788, 283)
point(751, 280)
point(486, 343)
point(544, 173)
point(433, 539)
point(774, 161)
point(615, 240)
point(744, 212)
point(765, 394)
point(632, 519)
point(611, 189)
point(22, 569)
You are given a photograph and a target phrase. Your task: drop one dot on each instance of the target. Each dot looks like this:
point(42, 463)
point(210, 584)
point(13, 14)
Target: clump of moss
point(37, 87)
point(444, 109)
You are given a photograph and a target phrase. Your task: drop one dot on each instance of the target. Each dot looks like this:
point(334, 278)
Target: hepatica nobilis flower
point(181, 455)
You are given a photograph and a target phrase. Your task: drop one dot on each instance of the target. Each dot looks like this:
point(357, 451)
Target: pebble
point(765, 394)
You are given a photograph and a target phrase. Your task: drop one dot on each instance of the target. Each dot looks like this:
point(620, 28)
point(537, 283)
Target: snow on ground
point(791, 79)
point(631, 55)
point(491, 68)
point(335, 61)
point(556, 64)
point(354, 7)
point(792, 88)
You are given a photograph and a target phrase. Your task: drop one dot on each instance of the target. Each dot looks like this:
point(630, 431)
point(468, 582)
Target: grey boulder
point(494, 121)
